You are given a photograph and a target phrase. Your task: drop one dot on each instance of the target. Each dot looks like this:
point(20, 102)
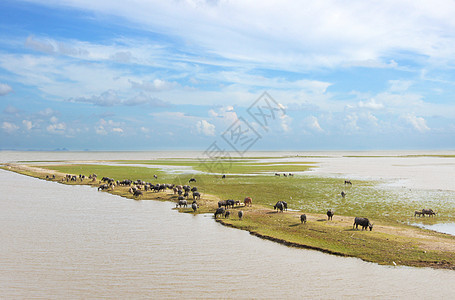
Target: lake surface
point(62, 241)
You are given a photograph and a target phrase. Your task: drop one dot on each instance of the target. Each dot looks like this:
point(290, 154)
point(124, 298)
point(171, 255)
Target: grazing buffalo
point(364, 222)
point(219, 211)
point(240, 214)
point(224, 176)
point(155, 176)
point(343, 194)
point(180, 198)
point(418, 213)
point(428, 212)
point(182, 203)
point(137, 193)
point(248, 201)
point(227, 214)
point(277, 174)
point(196, 195)
point(192, 180)
point(279, 206)
point(193, 189)
point(303, 218)
point(194, 206)
point(348, 182)
point(330, 214)
point(103, 187)
point(230, 203)
point(186, 195)
point(222, 203)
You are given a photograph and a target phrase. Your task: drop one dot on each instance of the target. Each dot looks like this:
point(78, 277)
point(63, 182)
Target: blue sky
point(154, 75)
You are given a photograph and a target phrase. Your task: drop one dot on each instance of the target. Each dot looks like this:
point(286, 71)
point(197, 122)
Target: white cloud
point(205, 128)
point(56, 128)
point(28, 124)
point(372, 104)
point(399, 86)
point(5, 89)
point(312, 123)
point(9, 127)
point(418, 123)
point(118, 130)
point(285, 122)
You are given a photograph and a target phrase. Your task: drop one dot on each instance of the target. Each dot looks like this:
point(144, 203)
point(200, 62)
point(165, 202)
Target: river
point(62, 241)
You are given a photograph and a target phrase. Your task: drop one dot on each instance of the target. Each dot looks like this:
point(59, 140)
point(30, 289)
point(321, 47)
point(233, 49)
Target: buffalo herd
point(183, 192)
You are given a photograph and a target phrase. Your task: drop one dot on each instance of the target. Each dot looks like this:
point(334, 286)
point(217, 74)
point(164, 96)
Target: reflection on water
point(74, 242)
point(448, 228)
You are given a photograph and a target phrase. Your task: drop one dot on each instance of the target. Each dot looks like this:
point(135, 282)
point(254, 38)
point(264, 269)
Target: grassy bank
point(391, 242)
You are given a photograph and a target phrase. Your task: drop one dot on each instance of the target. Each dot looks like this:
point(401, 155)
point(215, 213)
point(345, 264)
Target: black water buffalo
point(219, 211)
point(418, 213)
point(180, 198)
point(103, 187)
point(303, 218)
point(230, 203)
point(193, 189)
point(343, 194)
point(224, 176)
point(330, 214)
point(196, 195)
point(137, 193)
point(192, 180)
point(348, 182)
point(182, 203)
point(364, 222)
point(240, 214)
point(428, 212)
point(279, 206)
point(194, 206)
point(227, 214)
point(285, 205)
point(222, 203)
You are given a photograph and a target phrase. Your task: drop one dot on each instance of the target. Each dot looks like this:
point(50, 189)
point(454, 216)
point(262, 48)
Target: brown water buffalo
point(248, 201)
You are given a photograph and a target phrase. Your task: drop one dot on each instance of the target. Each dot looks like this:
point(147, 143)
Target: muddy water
point(62, 241)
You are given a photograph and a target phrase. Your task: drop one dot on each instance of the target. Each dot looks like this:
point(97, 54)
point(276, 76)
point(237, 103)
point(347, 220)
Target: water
point(63, 241)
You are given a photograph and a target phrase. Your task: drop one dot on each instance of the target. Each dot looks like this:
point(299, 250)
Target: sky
point(227, 75)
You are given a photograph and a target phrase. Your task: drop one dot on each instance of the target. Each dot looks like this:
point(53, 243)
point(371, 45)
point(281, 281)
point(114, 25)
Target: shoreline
point(342, 240)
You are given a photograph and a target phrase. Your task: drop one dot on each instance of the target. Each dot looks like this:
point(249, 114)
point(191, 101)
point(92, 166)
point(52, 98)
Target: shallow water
point(62, 241)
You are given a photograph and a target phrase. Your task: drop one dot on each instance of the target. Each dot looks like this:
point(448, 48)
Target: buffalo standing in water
point(303, 218)
point(364, 222)
point(330, 214)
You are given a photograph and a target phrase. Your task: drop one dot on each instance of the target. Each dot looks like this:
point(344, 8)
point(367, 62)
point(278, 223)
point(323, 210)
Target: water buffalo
point(227, 214)
point(428, 212)
point(418, 213)
point(330, 214)
point(248, 201)
point(285, 205)
point(224, 176)
point(303, 218)
point(343, 194)
point(193, 189)
point(137, 193)
point(192, 180)
point(364, 222)
point(279, 206)
point(196, 195)
point(219, 211)
point(194, 206)
point(240, 214)
point(182, 203)
point(222, 203)
point(230, 203)
point(348, 182)
point(103, 187)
